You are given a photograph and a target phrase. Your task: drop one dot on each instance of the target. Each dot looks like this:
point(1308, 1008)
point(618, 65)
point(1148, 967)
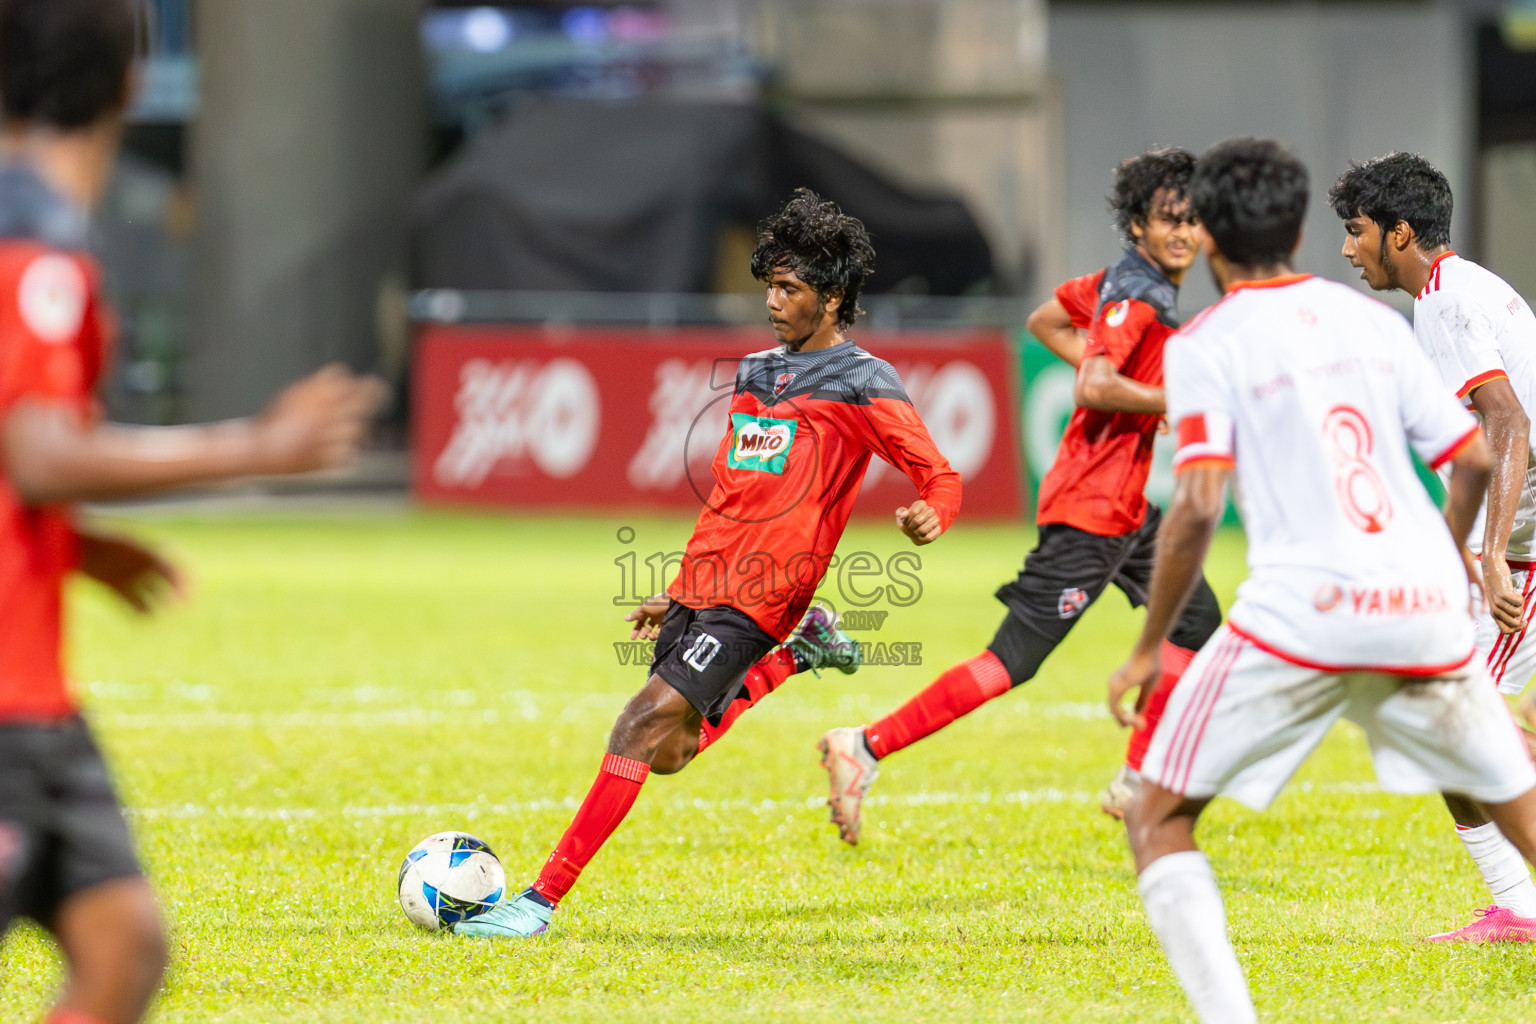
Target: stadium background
point(380, 181)
point(314, 179)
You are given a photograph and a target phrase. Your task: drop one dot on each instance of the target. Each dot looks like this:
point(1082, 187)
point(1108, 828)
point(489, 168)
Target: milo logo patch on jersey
point(760, 443)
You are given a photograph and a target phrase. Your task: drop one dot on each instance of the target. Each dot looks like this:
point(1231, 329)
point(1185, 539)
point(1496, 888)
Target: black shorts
point(704, 655)
point(1067, 571)
point(61, 827)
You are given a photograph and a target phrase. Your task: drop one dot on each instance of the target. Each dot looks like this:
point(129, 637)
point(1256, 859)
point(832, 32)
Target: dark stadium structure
point(563, 195)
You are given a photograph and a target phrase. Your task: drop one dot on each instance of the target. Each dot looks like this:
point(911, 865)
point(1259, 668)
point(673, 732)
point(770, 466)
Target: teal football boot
point(522, 917)
point(818, 643)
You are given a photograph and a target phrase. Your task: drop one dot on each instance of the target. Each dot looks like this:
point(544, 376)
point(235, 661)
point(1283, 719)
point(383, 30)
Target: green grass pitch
point(341, 686)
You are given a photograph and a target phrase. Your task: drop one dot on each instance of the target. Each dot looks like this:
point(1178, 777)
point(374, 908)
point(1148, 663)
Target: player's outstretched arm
point(1103, 388)
point(894, 431)
point(1052, 325)
point(132, 570)
point(1199, 499)
point(53, 454)
point(1509, 430)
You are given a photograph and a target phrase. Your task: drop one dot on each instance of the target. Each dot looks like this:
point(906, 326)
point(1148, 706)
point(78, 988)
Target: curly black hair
point(1138, 179)
point(826, 248)
point(1251, 195)
point(65, 63)
point(1397, 187)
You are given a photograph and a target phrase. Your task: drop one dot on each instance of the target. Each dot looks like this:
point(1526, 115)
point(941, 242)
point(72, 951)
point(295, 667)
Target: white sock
point(1182, 903)
point(1502, 866)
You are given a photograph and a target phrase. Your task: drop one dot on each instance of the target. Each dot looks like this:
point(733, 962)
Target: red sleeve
point(895, 432)
point(1117, 329)
point(46, 327)
point(1080, 297)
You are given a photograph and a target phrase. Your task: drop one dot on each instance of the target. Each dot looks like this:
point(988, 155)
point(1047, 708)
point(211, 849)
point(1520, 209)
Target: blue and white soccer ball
point(450, 877)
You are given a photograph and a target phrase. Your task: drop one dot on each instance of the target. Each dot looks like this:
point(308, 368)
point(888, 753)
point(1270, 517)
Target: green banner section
point(1431, 480)
point(1047, 398)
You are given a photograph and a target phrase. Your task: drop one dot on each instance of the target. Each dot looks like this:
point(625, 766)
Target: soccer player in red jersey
point(1096, 527)
point(804, 420)
point(66, 860)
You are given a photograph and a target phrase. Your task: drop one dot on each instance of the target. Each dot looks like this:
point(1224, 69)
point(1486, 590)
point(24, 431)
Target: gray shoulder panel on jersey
point(31, 209)
point(845, 373)
point(1134, 277)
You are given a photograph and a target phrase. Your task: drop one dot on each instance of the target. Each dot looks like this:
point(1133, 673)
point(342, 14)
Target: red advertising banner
point(622, 420)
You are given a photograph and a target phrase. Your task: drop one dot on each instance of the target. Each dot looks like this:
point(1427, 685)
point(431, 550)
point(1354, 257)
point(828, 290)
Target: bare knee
point(115, 947)
point(1159, 822)
point(146, 953)
point(659, 727)
point(1466, 812)
point(677, 749)
point(643, 727)
point(1141, 824)
point(133, 948)
point(669, 763)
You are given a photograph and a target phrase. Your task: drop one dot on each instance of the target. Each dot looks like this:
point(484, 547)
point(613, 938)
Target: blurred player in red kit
point(66, 860)
point(803, 422)
point(1096, 526)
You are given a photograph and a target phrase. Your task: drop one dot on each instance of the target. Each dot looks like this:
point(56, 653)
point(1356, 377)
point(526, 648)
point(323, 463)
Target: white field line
point(476, 809)
point(520, 711)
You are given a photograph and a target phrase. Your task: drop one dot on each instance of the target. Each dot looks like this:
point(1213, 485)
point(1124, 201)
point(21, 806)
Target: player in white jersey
point(1481, 337)
point(1356, 601)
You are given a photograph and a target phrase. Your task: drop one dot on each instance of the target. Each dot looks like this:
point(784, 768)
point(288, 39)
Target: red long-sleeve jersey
point(1097, 481)
point(802, 427)
point(54, 339)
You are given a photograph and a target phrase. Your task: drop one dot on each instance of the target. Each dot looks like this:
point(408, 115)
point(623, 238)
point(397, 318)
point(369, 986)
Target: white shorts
point(1242, 720)
point(1510, 657)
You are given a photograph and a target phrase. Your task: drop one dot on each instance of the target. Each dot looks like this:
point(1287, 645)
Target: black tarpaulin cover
point(585, 196)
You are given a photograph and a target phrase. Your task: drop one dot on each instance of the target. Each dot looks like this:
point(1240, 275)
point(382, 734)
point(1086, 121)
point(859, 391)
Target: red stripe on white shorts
point(1205, 718)
point(1515, 638)
point(1181, 749)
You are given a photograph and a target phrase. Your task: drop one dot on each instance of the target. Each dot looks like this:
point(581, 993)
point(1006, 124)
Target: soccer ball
point(449, 877)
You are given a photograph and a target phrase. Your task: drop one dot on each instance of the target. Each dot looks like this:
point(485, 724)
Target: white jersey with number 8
point(1315, 393)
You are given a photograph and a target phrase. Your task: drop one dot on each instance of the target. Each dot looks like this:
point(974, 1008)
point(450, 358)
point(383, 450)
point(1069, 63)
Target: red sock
point(62, 1016)
point(1175, 660)
point(762, 679)
point(607, 802)
point(959, 691)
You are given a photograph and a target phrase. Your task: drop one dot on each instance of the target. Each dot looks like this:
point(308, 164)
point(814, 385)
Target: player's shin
point(959, 691)
point(1502, 868)
point(608, 802)
point(761, 680)
point(1175, 660)
point(1184, 907)
point(1516, 819)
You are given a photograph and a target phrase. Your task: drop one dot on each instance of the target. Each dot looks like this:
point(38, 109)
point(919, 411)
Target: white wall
point(1337, 84)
